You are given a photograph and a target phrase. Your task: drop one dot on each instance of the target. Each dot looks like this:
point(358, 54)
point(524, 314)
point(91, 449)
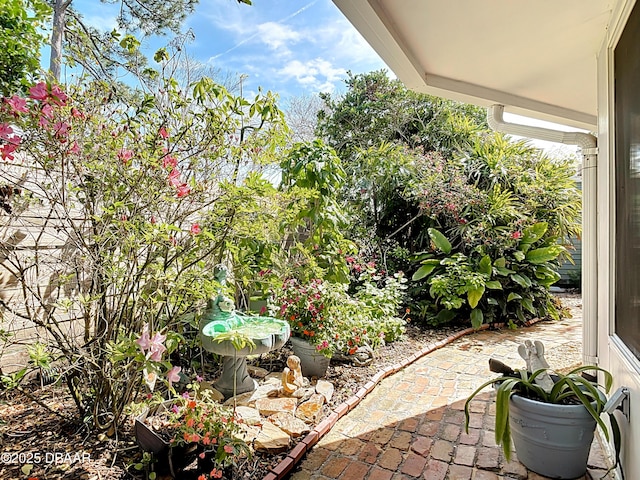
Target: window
point(627, 176)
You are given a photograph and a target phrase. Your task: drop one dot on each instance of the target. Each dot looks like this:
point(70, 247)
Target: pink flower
point(183, 190)
point(228, 448)
point(6, 151)
point(198, 378)
point(47, 111)
point(18, 104)
point(175, 409)
point(144, 340)
point(174, 178)
point(156, 347)
point(173, 375)
point(195, 229)
point(169, 162)
point(215, 473)
point(154, 220)
point(76, 113)
point(516, 235)
point(5, 131)
point(39, 91)
point(58, 96)
point(125, 155)
point(61, 129)
point(163, 132)
point(75, 148)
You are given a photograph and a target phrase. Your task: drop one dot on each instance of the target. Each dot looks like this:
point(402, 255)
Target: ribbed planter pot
point(312, 363)
point(549, 439)
point(170, 459)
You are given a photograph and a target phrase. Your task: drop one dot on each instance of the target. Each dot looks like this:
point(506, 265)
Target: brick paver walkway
point(412, 424)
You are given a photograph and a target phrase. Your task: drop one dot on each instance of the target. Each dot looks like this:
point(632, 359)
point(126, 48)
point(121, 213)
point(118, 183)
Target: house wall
point(612, 353)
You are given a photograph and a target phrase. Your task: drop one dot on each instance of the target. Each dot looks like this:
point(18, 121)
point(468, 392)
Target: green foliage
point(376, 110)
point(312, 174)
point(568, 389)
point(499, 212)
point(21, 37)
point(512, 287)
point(336, 321)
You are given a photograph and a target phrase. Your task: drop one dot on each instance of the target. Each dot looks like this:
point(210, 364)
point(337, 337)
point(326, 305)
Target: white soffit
point(538, 58)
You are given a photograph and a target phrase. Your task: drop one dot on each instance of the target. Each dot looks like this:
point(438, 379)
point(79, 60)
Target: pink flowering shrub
point(140, 194)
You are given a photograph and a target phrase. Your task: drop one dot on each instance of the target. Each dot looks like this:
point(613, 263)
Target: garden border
point(298, 452)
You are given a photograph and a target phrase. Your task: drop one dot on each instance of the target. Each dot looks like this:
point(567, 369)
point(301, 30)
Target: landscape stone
point(249, 415)
point(289, 424)
point(310, 410)
point(267, 438)
point(257, 372)
point(269, 406)
point(325, 388)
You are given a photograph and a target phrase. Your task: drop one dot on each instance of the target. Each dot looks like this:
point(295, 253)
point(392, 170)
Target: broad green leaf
point(513, 296)
point(439, 240)
point(531, 235)
point(477, 318)
point(445, 316)
point(422, 272)
point(493, 285)
point(528, 304)
point(503, 271)
point(523, 281)
point(492, 301)
point(474, 296)
point(500, 262)
point(518, 255)
point(485, 265)
point(544, 254)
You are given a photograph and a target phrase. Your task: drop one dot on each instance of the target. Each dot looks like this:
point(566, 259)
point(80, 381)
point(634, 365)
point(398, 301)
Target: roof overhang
point(538, 58)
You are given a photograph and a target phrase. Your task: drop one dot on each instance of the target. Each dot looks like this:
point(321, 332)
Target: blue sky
point(290, 47)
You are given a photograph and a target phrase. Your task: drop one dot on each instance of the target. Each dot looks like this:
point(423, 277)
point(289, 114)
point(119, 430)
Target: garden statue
point(292, 378)
point(233, 335)
point(533, 354)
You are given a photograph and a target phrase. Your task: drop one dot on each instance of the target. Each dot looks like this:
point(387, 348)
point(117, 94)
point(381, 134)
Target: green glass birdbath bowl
point(218, 329)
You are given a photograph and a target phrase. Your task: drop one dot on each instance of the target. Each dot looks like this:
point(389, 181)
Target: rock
point(257, 371)
point(273, 378)
point(264, 391)
point(242, 399)
point(325, 388)
point(249, 415)
point(269, 406)
point(289, 424)
point(310, 410)
point(215, 394)
point(267, 438)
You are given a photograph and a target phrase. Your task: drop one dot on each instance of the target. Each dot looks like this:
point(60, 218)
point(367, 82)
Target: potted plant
point(189, 426)
point(552, 429)
point(326, 319)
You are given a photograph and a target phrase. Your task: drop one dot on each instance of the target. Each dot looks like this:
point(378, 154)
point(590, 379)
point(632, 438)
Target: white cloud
point(276, 36)
point(317, 74)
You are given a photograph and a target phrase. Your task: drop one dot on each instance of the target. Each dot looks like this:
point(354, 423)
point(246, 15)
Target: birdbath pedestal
point(266, 334)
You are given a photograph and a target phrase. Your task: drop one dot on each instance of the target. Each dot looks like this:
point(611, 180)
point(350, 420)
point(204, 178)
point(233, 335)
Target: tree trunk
point(59, 10)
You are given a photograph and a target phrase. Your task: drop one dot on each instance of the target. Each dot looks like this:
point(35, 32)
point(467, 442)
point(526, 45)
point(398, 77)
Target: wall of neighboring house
point(37, 255)
point(571, 273)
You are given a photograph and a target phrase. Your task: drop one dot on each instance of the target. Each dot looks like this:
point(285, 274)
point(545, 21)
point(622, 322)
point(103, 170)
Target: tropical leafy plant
point(491, 284)
point(568, 389)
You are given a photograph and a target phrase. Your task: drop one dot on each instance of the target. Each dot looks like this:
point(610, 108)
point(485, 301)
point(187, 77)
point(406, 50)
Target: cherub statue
point(533, 355)
point(292, 379)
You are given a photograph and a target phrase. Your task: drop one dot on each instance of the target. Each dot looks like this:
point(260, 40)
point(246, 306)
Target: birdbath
point(221, 324)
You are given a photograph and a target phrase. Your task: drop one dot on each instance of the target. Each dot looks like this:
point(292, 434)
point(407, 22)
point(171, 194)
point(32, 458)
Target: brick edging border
point(320, 430)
